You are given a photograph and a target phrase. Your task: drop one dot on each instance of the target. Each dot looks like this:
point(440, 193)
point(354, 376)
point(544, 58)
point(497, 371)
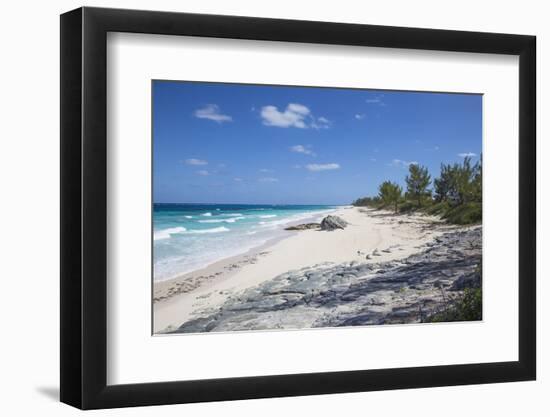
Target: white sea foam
point(275, 224)
point(185, 262)
point(231, 220)
point(188, 217)
point(267, 216)
point(185, 251)
point(214, 230)
point(166, 233)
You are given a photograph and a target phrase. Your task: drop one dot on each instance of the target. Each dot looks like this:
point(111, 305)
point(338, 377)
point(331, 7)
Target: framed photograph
point(256, 208)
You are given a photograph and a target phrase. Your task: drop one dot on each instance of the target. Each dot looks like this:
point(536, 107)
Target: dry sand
point(372, 236)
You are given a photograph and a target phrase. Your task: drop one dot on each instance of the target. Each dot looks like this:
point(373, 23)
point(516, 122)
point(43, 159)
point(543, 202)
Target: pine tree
point(477, 181)
point(443, 184)
point(390, 193)
point(418, 182)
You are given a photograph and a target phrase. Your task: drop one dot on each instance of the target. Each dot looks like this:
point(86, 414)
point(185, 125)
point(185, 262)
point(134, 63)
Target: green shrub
point(440, 208)
point(467, 308)
point(418, 182)
point(390, 193)
point(468, 213)
point(406, 206)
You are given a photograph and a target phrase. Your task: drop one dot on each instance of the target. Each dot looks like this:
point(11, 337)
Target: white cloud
point(378, 100)
point(295, 115)
point(212, 112)
point(402, 164)
point(373, 159)
point(322, 167)
point(237, 179)
point(298, 108)
point(203, 172)
point(265, 170)
point(320, 123)
point(268, 179)
point(467, 155)
point(302, 149)
point(195, 161)
point(360, 116)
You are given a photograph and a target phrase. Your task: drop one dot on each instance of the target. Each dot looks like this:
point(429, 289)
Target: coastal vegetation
point(468, 307)
point(465, 308)
point(456, 195)
point(390, 194)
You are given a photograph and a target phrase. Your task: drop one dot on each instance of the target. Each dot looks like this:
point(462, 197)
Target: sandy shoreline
point(225, 267)
point(380, 235)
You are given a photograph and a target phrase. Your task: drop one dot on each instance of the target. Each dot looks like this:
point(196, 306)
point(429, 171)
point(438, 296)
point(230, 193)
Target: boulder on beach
point(333, 223)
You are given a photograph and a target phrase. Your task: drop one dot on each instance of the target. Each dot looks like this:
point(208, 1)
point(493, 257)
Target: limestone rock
point(333, 223)
point(332, 295)
point(305, 226)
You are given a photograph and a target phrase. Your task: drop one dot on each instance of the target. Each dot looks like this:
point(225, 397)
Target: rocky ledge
point(305, 226)
point(328, 223)
point(354, 294)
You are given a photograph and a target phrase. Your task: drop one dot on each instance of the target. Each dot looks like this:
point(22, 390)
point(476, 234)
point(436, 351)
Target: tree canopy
point(459, 183)
point(390, 193)
point(418, 182)
point(457, 192)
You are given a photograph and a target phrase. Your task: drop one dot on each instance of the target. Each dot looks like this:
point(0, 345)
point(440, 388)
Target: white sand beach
point(372, 236)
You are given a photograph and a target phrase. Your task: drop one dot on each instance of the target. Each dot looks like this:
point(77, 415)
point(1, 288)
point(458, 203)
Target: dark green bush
point(438, 208)
point(374, 202)
point(467, 213)
point(406, 206)
point(467, 308)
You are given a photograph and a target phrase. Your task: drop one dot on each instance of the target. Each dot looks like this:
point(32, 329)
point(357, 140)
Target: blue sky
point(231, 143)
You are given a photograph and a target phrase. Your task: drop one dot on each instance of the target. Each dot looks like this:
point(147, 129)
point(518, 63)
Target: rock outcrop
point(333, 223)
point(471, 280)
point(305, 226)
point(354, 293)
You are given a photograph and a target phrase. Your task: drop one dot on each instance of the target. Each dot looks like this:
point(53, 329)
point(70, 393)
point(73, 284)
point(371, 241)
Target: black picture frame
point(84, 207)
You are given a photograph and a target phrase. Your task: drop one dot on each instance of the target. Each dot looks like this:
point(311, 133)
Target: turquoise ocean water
point(187, 237)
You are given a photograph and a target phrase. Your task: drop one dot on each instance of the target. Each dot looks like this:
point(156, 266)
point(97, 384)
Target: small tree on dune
point(477, 181)
point(465, 182)
point(459, 183)
point(444, 184)
point(418, 182)
point(390, 193)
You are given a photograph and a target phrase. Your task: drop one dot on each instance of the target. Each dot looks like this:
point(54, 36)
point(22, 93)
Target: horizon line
point(257, 204)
